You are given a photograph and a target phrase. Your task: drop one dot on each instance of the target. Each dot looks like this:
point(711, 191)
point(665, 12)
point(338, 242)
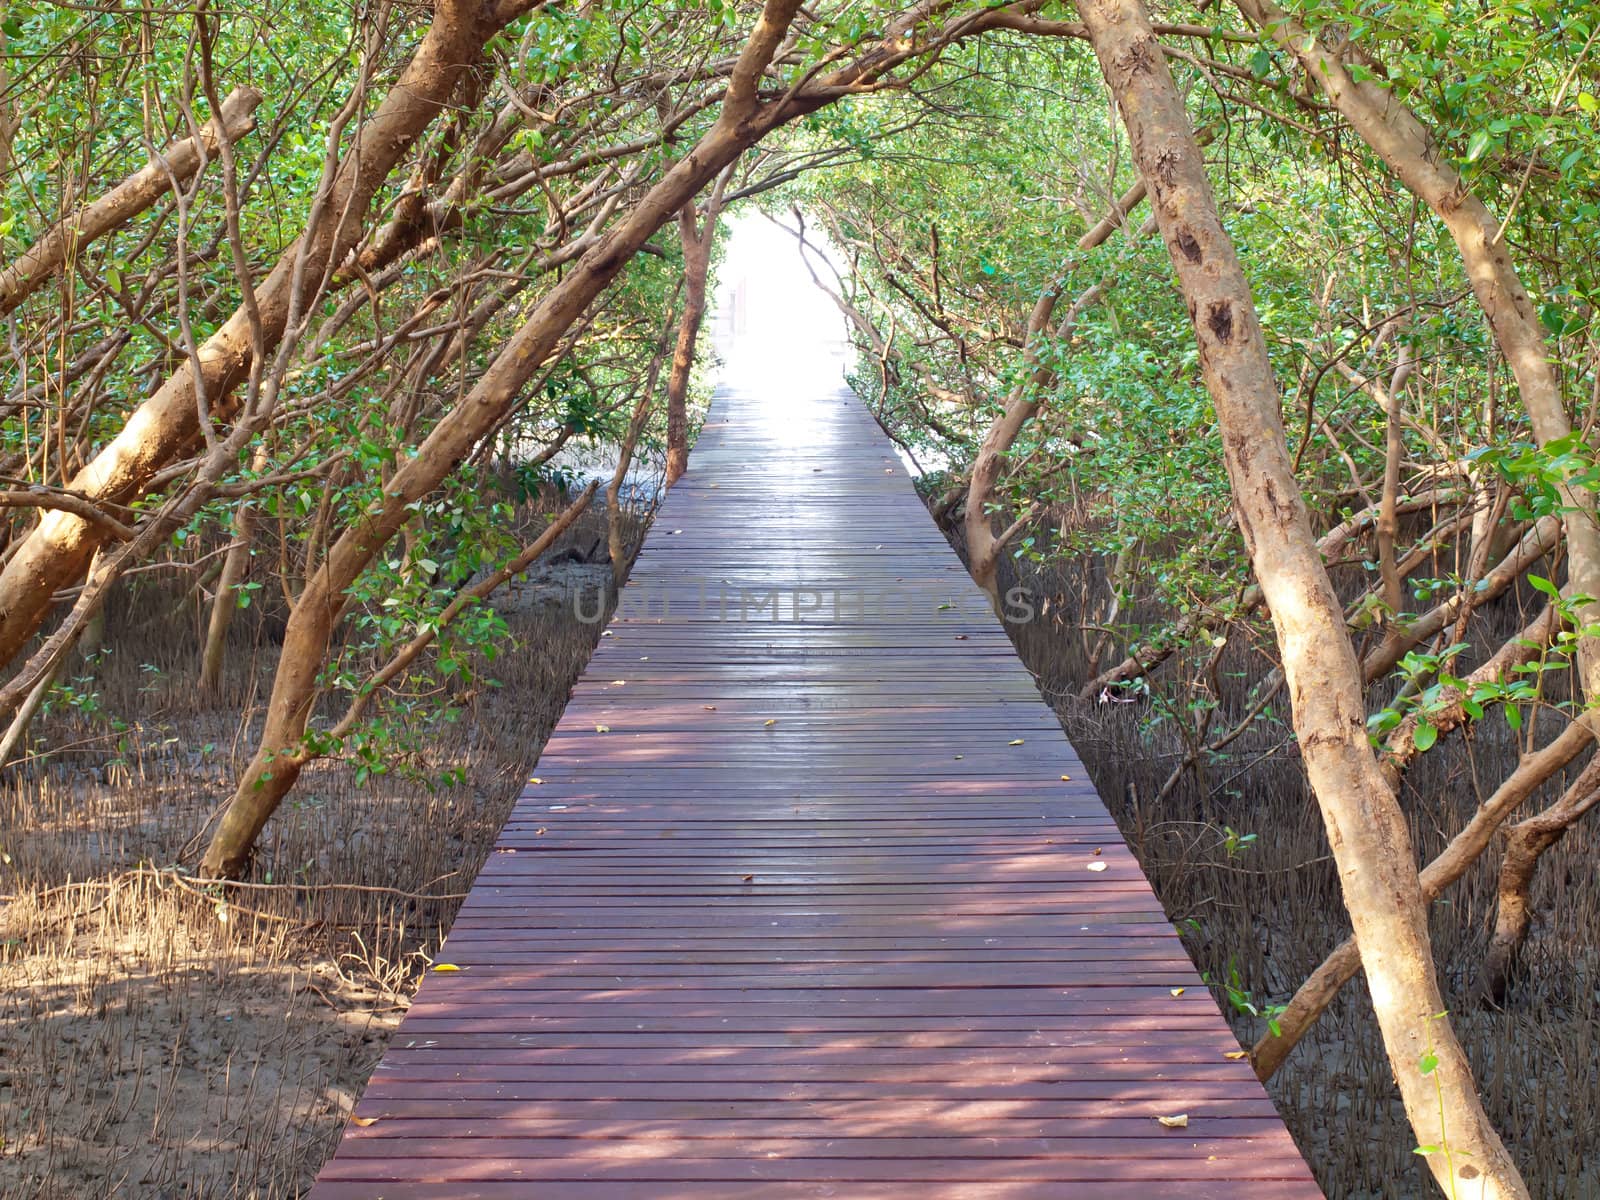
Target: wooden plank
point(810, 897)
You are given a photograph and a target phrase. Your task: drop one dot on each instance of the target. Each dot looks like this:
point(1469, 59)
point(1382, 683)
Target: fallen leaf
point(1014, 742)
point(540, 832)
point(363, 1121)
point(771, 722)
point(445, 967)
point(749, 878)
point(535, 779)
point(1181, 1121)
point(607, 633)
point(1176, 992)
point(1097, 866)
point(1097, 851)
point(709, 707)
point(961, 637)
point(602, 729)
point(959, 757)
point(1066, 779)
point(618, 682)
point(1236, 1055)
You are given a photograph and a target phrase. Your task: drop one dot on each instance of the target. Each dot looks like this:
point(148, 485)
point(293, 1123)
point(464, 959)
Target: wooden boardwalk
point(811, 898)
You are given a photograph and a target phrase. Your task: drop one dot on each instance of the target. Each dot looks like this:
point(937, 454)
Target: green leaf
point(1425, 736)
point(1478, 144)
point(1428, 1063)
point(1514, 717)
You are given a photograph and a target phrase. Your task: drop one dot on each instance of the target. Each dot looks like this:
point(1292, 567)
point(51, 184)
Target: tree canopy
point(1284, 318)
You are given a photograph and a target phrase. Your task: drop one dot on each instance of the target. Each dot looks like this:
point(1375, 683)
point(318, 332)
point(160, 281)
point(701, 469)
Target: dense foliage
point(302, 301)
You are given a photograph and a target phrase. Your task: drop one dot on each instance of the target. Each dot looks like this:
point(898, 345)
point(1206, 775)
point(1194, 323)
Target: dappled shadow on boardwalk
point(816, 906)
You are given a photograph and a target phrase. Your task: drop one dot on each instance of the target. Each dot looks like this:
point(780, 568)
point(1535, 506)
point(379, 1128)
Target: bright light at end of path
point(774, 328)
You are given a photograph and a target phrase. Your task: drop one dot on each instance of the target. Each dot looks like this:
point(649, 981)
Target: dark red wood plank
point(810, 897)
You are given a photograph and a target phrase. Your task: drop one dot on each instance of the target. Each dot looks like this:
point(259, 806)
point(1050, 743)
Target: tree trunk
point(1366, 829)
point(17, 732)
point(1406, 146)
point(616, 543)
point(1526, 843)
point(697, 243)
point(178, 162)
point(226, 602)
point(57, 551)
point(696, 266)
point(983, 546)
point(273, 771)
point(1342, 965)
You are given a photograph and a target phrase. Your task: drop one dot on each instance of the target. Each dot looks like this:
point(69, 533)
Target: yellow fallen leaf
point(1097, 866)
point(772, 722)
point(1180, 1121)
point(1236, 1055)
point(618, 682)
point(1014, 742)
point(602, 729)
point(535, 779)
point(445, 967)
point(363, 1121)
point(1178, 991)
point(1066, 778)
point(709, 707)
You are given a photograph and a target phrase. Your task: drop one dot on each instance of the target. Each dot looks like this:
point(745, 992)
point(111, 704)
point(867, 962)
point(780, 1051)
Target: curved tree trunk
point(1324, 984)
point(274, 770)
point(1526, 843)
point(984, 547)
point(1366, 828)
point(616, 541)
point(697, 240)
point(178, 164)
point(1409, 150)
point(57, 551)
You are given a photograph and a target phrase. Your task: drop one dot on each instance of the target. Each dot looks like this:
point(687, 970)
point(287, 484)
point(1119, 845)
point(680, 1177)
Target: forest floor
point(159, 1045)
point(1237, 852)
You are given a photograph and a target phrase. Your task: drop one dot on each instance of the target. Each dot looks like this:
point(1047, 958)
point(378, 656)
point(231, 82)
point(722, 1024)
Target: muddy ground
point(156, 1046)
